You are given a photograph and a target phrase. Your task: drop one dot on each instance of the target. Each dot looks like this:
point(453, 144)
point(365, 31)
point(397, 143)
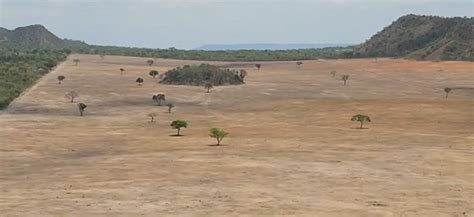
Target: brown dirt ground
point(292, 148)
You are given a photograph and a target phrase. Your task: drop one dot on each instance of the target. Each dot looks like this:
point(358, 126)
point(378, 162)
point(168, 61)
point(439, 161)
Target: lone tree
point(71, 95)
point(219, 134)
point(178, 124)
point(153, 73)
point(139, 81)
point(76, 61)
point(345, 78)
point(152, 116)
point(60, 78)
point(242, 74)
point(82, 107)
point(121, 71)
point(333, 73)
point(258, 66)
point(150, 62)
point(447, 90)
point(170, 106)
point(158, 98)
point(208, 86)
point(299, 64)
point(361, 119)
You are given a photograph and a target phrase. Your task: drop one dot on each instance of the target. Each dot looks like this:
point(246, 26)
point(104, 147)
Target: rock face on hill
point(34, 37)
point(200, 75)
point(424, 38)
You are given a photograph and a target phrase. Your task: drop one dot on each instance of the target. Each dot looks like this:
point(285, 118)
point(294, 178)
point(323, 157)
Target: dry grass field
point(292, 149)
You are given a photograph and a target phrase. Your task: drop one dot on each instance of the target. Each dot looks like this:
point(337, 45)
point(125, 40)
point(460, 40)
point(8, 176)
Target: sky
point(189, 24)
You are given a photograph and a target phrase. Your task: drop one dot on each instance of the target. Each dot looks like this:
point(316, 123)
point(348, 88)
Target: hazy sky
point(191, 23)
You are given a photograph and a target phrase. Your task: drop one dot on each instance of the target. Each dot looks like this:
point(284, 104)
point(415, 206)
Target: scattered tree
point(258, 66)
point(150, 62)
point(102, 56)
point(71, 95)
point(242, 74)
point(178, 124)
point(219, 134)
point(82, 107)
point(152, 116)
point(121, 71)
point(60, 78)
point(447, 90)
point(158, 98)
point(345, 78)
point(170, 106)
point(299, 64)
point(361, 119)
point(333, 73)
point(139, 81)
point(153, 73)
point(76, 61)
point(208, 86)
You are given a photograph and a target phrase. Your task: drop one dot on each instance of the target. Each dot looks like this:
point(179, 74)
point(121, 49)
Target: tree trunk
point(81, 112)
point(218, 141)
point(344, 82)
point(152, 119)
point(361, 124)
point(447, 95)
point(178, 131)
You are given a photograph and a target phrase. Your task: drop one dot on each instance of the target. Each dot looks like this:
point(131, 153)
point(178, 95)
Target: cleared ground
point(292, 148)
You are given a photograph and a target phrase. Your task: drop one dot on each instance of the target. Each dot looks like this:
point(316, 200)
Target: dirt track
point(292, 148)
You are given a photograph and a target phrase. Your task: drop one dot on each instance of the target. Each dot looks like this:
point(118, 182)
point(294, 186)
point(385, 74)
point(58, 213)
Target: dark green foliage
point(153, 73)
point(361, 118)
point(82, 107)
point(150, 62)
point(239, 55)
point(139, 81)
point(219, 134)
point(19, 69)
point(447, 90)
point(158, 98)
point(201, 75)
point(170, 106)
point(345, 78)
point(178, 124)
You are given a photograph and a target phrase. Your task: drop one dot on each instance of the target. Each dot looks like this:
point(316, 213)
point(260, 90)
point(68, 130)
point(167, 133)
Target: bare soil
point(292, 148)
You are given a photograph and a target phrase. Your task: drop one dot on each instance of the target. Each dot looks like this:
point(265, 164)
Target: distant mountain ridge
point(34, 37)
point(266, 46)
point(423, 38)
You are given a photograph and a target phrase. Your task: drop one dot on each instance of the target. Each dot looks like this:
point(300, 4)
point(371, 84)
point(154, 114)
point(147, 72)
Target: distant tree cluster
point(240, 55)
point(203, 75)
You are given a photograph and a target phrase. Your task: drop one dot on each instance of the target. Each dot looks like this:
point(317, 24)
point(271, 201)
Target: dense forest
point(239, 55)
point(203, 74)
point(19, 69)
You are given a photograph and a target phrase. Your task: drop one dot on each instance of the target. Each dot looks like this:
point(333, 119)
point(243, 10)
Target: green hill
point(423, 38)
point(35, 37)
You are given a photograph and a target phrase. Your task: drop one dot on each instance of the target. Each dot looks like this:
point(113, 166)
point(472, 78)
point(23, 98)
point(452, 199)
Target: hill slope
point(423, 37)
point(34, 37)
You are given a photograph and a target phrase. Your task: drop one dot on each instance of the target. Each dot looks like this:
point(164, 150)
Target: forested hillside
point(424, 38)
